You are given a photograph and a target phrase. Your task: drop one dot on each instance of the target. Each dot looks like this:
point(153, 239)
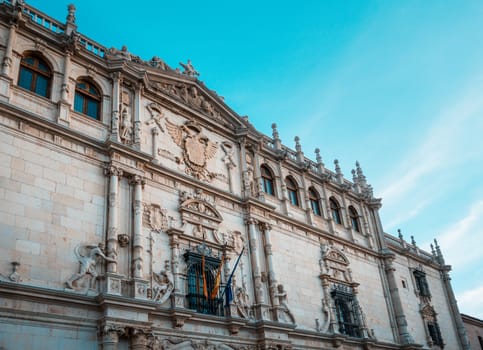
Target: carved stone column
point(272, 279)
point(243, 161)
point(155, 133)
point(255, 260)
point(116, 87)
point(463, 337)
point(139, 340)
point(64, 106)
point(113, 215)
point(140, 284)
point(177, 296)
point(5, 78)
point(346, 216)
point(401, 322)
point(110, 339)
point(113, 279)
point(257, 176)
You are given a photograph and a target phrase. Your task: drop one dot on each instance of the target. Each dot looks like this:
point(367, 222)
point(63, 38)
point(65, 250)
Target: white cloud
point(471, 302)
point(450, 142)
point(460, 242)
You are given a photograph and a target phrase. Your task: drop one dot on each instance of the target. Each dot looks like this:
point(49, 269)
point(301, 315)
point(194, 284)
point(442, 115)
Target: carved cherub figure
point(165, 283)
point(281, 294)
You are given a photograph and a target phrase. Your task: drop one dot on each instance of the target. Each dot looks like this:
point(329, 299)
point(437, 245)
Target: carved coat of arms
point(197, 148)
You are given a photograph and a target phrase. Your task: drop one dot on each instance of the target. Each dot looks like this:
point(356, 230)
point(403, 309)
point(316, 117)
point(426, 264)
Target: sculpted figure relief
point(284, 311)
point(164, 284)
point(197, 148)
point(189, 70)
point(88, 256)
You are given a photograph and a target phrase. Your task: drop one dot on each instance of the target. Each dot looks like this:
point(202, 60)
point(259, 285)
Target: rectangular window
point(421, 283)
point(435, 333)
point(347, 311)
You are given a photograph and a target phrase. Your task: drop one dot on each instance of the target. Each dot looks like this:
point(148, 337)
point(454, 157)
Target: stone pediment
point(198, 208)
point(197, 97)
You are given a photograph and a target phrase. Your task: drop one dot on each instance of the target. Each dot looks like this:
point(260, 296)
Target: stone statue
point(281, 294)
point(165, 284)
point(242, 302)
point(189, 70)
point(88, 258)
point(126, 125)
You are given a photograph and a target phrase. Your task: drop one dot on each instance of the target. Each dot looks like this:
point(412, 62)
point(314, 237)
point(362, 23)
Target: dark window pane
point(25, 79)
point(43, 67)
point(79, 102)
point(92, 108)
point(41, 86)
point(28, 60)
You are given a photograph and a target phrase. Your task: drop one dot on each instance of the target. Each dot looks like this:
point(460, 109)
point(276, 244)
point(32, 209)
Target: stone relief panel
point(194, 98)
point(163, 284)
point(89, 256)
point(155, 217)
point(197, 149)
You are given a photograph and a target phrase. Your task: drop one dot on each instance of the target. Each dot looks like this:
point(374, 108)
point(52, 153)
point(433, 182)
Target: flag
point(205, 290)
point(214, 292)
point(228, 292)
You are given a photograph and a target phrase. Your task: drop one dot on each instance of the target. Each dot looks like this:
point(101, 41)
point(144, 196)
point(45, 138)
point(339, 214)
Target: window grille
point(197, 300)
point(347, 311)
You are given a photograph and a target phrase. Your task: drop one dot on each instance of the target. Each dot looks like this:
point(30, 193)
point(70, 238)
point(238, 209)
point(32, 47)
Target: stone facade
point(474, 329)
point(130, 192)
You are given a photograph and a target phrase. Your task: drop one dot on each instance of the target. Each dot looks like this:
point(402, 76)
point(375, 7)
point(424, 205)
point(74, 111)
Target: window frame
point(87, 97)
point(314, 200)
point(354, 216)
point(194, 282)
point(335, 210)
point(346, 311)
point(268, 180)
point(292, 191)
point(36, 73)
point(421, 283)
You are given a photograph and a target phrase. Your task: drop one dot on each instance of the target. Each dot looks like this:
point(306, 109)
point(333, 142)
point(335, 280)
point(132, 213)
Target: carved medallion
point(155, 217)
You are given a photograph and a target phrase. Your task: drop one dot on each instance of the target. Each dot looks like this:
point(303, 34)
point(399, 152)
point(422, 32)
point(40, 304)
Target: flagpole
point(228, 283)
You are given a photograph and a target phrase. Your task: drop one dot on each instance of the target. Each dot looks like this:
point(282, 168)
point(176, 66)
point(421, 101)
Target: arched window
point(87, 99)
point(35, 75)
point(268, 180)
point(335, 209)
point(292, 191)
point(314, 201)
point(354, 219)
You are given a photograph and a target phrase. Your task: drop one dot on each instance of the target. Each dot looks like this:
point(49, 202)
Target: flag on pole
point(228, 292)
point(216, 287)
point(205, 290)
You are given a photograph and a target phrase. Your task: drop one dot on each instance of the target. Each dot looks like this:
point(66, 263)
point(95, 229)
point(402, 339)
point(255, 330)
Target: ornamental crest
point(197, 148)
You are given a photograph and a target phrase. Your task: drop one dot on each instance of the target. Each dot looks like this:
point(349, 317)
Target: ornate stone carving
point(189, 70)
point(88, 257)
point(155, 217)
point(163, 284)
point(197, 148)
point(242, 302)
point(283, 312)
point(14, 276)
point(123, 240)
point(126, 133)
point(157, 114)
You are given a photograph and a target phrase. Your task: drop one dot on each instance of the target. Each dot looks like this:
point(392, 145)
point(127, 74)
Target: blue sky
point(397, 86)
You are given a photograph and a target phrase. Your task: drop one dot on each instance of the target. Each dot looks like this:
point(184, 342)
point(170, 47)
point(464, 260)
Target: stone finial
point(71, 13)
point(354, 176)
point(400, 235)
point(298, 148)
point(413, 242)
point(337, 167)
point(275, 134)
point(432, 249)
point(360, 174)
point(318, 157)
point(439, 254)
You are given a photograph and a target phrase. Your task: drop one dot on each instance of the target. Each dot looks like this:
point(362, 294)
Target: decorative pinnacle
point(354, 177)
point(298, 148)
point(337, 167)
point(275, 132)
point(71, 13)
point(413, 242)
point(318, 158)
point(360, 173)
point(432, 249)
point(399, 233)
